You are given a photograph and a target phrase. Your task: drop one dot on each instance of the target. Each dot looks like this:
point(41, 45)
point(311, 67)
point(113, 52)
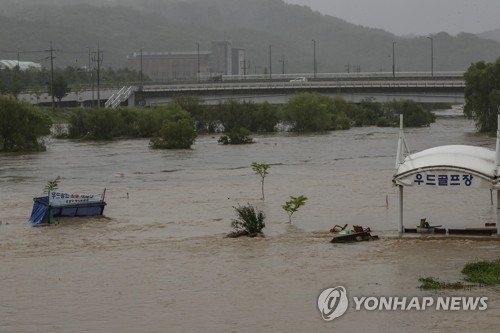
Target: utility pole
point(52, 75)
point(141, 86)
point(393, 60)
point(98, 57)
point(91, 83)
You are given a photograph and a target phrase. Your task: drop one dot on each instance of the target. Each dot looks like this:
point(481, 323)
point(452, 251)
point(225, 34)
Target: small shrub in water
point(237, 136)
point(249, 221)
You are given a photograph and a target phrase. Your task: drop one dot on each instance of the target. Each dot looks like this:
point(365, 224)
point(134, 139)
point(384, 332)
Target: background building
point(223, 59)
point(23, 65)
point(239, 63)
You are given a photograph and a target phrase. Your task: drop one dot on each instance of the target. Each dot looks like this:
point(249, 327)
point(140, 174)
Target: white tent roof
point(448, 166)
point(454, 166)
point(478, 161)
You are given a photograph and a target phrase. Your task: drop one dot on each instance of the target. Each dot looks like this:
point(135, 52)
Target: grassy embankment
point(478, 273)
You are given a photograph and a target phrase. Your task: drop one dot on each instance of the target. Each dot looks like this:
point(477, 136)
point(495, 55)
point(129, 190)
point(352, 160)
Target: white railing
point(120, 96)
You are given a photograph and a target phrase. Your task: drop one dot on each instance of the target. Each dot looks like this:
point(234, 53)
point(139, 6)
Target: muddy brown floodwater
point(158, 261)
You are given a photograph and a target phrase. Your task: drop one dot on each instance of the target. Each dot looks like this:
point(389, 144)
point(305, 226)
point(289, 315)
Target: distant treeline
point(307, 112)
point(177, 124)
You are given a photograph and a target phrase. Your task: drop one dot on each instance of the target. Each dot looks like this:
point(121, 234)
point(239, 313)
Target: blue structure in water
point(44, 213)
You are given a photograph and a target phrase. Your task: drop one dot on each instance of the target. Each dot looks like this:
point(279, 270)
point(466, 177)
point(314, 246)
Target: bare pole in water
point(497, 163)
point(399, 153)
point(401, 227)
point(402, 148)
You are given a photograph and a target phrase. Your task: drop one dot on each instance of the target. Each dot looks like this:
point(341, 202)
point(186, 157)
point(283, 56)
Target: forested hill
point(124, 26)
point(492, 34)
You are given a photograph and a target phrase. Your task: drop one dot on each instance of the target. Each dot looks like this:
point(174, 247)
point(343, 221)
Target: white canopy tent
point(447, 166)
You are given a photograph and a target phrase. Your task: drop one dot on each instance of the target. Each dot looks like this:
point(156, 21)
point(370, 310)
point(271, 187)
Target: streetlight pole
point(198, 46)
point(142, 79)
point(393, 60)
point(432, 55)
point(270, 63)
point(314, 58)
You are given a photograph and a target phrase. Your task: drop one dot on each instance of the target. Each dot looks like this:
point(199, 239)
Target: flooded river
point(158, 261)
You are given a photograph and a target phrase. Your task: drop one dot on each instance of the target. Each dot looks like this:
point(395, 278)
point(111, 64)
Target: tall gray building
point(239, 63)
point(223, 59)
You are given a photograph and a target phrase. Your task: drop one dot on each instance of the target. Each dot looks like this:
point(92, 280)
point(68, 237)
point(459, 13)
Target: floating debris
point(357, 234)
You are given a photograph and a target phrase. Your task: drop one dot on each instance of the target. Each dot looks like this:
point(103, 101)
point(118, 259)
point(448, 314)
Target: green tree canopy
point(308, 112)
point(482, 94)
point(265, 118)
point(21, 126)
point(177, 128)
point(415, 115)
point(61, 88)
point(106, 124)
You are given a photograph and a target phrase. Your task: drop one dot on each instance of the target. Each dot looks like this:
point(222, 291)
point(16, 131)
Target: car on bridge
point(299, 79)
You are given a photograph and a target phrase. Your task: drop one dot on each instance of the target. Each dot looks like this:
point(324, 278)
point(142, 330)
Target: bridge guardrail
point(305, 85)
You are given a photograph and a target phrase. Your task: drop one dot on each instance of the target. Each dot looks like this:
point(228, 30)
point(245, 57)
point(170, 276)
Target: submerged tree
point(179, 134)
point(22, 127)
point(177, 131)
point(415, 115)
point(261, 170)
point(308, 112)
point(237, 136)
point(52, 185)
point(293, 205)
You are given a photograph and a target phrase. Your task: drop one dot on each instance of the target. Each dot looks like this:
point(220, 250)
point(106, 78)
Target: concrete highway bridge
point(424, 87)
point(438, 88)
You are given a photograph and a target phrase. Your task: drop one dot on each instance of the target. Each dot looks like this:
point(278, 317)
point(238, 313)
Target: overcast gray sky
point(420, 17)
